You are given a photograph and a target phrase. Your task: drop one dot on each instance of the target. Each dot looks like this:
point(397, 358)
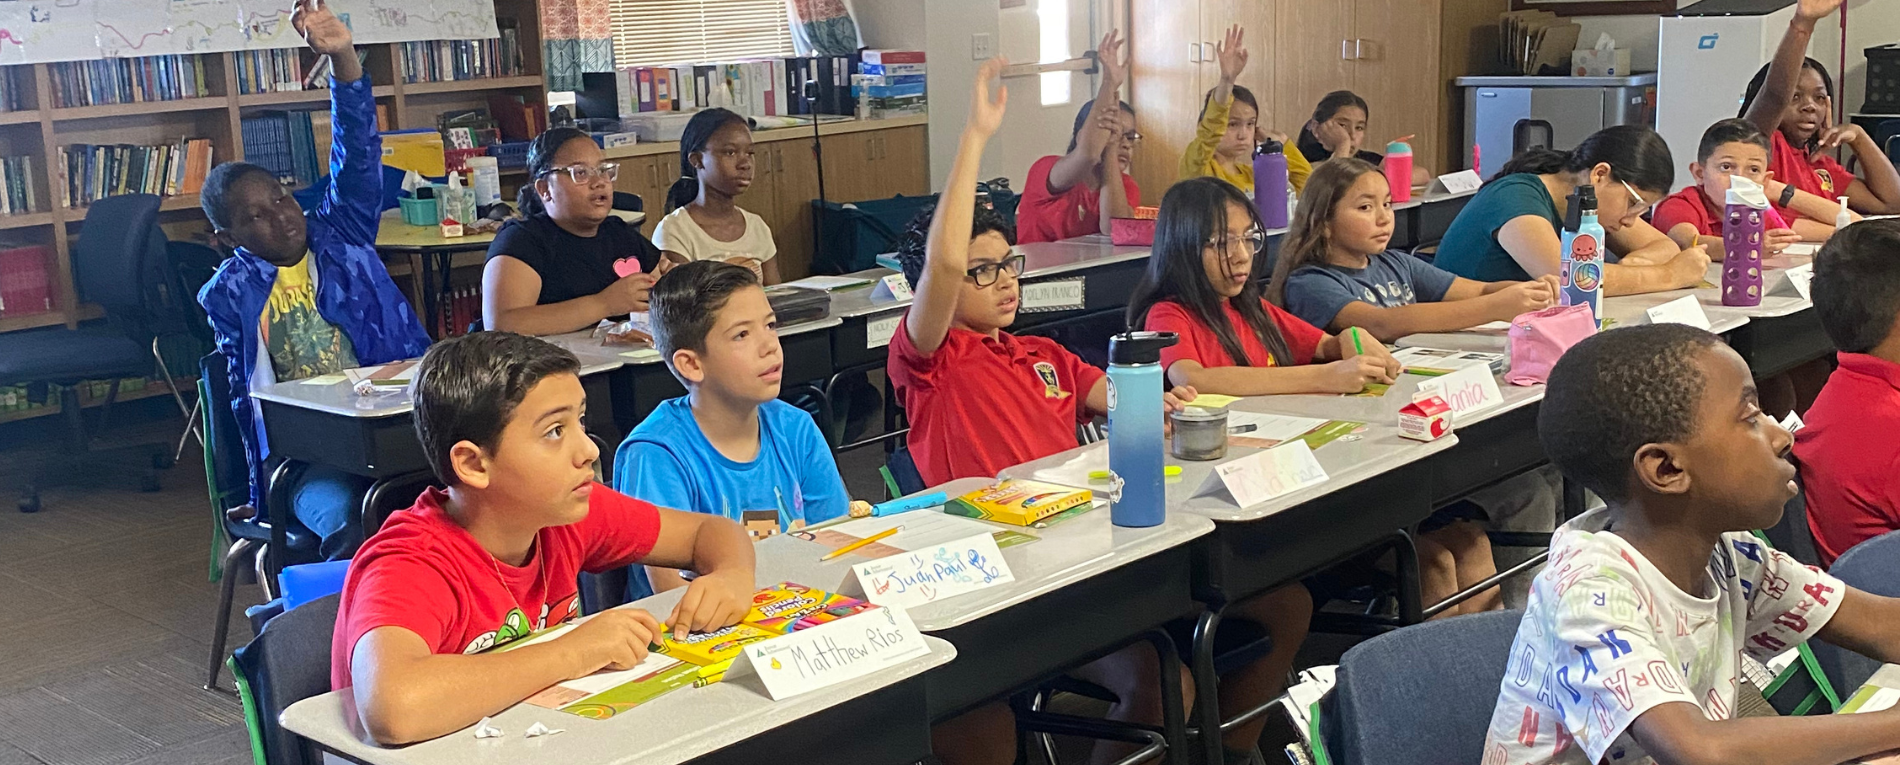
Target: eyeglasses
point(1132, 136)
point(986, 274)
point(1248, 244)
point(584, 175)
point(1638, 203)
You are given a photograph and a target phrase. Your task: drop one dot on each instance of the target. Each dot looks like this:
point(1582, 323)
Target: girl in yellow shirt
point(1230, 128)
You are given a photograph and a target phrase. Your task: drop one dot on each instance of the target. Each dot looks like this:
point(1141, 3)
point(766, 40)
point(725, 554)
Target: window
point(1053, 18)
point(658, 32)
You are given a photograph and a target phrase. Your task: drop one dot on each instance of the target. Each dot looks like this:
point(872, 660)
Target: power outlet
point(982, 46)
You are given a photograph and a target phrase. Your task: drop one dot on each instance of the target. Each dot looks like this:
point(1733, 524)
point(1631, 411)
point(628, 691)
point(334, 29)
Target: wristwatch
point(1787, 195)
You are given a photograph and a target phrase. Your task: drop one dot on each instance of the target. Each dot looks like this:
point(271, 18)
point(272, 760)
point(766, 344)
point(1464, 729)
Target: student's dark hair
point(685, 303)
point(1616, 391)
point(1193, 213)
point(699, 130)
point(215, 198)
point(1761, 78)
point(467, 388)
point(1636, 154)
point(912, 248)
point(541, 162)
point(1241, 96)
point(1732, 130)
point(1331, 103)
point(1082, 118)
point(1306, 242)
point(1857, 284)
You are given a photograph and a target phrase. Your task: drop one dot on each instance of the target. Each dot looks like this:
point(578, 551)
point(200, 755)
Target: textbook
point(1020, 503)
point(789, 607)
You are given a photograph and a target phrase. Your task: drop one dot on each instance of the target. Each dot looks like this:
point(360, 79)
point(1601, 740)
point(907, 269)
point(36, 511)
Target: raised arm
point(1777, 89)
point(1076, 166)
point(353, 205)
point(947, 250)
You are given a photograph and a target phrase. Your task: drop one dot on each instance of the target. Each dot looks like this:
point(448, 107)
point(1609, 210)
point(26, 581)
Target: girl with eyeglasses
point(1334, 270)
point(1792, 100)
point(1077, 193)
point(1510, 230)
point(703, 222)
point(568, 262)
point(1200, 285)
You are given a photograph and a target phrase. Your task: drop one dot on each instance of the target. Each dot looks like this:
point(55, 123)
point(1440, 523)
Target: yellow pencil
point(715, 668)
point(860, 543)
point(705, 681)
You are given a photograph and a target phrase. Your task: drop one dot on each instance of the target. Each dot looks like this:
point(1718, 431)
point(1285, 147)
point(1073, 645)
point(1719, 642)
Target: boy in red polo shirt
point(494, 557)
point(1729, 148)
point(1849, 452)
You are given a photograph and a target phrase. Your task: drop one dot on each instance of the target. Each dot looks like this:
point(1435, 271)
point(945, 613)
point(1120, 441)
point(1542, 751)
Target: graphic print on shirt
point(763, 524)
point(1391, 294)
point(1051, 385)
point(516, 626)
point(300, 342)
point(1827, 180)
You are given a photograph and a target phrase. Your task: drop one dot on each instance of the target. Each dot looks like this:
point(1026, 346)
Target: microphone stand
point(818, 154)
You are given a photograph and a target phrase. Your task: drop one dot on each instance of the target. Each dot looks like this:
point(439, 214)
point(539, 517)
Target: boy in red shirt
point(1077, 193)
point(495, 556)
point(1729, 148)
point(1849, 452)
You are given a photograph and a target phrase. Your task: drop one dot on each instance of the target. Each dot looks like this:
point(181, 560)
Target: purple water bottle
point(1270, 184)
point(1742, 226)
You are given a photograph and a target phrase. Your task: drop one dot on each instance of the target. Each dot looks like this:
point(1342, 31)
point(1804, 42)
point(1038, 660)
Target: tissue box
point(1426, 419)
point(1600, 63)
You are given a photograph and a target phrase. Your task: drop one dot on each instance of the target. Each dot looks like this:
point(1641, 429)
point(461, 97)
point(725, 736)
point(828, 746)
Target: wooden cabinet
point(1400, 55)
point(877, 164)
point(785, 180)
point(648, 176)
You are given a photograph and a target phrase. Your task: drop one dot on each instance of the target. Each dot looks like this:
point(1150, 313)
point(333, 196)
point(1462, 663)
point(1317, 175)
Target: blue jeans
point(329, 503)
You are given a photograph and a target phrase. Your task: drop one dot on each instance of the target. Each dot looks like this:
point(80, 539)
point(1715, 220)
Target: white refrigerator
point(1707, 53)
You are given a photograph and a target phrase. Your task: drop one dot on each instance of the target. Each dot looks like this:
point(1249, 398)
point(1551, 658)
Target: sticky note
point(1213, 400)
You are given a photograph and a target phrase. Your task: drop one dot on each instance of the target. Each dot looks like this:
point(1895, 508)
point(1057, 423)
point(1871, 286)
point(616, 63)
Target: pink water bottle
point(1744, 220)
point(1398, 170)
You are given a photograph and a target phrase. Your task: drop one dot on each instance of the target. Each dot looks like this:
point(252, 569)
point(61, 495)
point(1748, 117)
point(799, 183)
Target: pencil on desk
point(860, 543)
point(708, 680)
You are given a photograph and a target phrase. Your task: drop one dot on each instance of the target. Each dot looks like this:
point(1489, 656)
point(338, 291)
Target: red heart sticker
point(627, 266)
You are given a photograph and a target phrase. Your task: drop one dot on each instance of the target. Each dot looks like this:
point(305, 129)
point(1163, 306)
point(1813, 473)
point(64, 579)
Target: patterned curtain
point(823, 27)
point(576, 37)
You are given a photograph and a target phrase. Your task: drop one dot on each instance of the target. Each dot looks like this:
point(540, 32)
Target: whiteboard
point(35, 31)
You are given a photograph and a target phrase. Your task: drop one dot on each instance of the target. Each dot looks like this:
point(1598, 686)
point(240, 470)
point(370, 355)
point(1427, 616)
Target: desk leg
point(1207, 685)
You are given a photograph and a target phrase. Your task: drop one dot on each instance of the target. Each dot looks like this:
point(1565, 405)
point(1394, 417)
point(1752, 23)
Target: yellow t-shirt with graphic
point(300, 342)
point(1199, 159)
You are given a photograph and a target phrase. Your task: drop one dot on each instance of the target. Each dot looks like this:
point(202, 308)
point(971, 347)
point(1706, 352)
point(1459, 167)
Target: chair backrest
point(903, 470)
point(1871, 566)
point(119, 260)
point(227, 473)
point(1422, 695)
point(629, 201)
point(287, 662)
point(192, 265)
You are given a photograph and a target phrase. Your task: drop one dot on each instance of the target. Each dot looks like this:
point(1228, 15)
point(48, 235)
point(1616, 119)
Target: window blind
point(657, 32)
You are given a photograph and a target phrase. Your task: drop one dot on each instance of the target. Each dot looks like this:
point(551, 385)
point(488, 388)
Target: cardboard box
point(1425, 419)
point(1600, 63)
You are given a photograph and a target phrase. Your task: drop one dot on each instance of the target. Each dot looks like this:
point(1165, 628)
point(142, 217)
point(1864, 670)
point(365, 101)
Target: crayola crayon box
point(1019, 502)
point(788, 607)
point(703, 648)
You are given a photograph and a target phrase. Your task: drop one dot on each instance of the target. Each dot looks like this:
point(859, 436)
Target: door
point(795, 176)
point(1165, 86)
point(642, 175)
point(902, 162)
point(849, 176)
point(1396, 71)
point(1313, 56)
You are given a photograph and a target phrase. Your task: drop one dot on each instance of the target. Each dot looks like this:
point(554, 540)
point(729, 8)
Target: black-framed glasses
point(584, 174)
point(986, 274)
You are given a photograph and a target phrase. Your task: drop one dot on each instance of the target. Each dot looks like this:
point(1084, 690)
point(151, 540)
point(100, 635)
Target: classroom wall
point(1869, 23)
point(1637, 33)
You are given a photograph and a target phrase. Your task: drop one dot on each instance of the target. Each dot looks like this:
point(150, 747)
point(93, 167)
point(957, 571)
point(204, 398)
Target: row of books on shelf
point(446, 60)
point(464, 308)
point(94, 172)
point(269, 71)
point(294, 145)
point(26, 281)
point(17, 193)
point(128, 80)
point(9, 89)
point(759, 88)
point(16, 399)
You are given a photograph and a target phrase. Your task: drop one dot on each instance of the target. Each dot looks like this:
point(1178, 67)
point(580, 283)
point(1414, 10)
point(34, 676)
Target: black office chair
point(119, 263)
point(287, 662)
point(191, 266)
point(629, 201)
point(264, 546)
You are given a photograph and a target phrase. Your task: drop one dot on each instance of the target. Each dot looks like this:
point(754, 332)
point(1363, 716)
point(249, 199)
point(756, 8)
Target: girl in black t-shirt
point(1338, 129)
point(568, 262)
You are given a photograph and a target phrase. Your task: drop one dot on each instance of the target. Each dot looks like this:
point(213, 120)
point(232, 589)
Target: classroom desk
point(1425, 218)
point(806, 349)
point(1084, 588)
point(1782, 332)
point(879, 718)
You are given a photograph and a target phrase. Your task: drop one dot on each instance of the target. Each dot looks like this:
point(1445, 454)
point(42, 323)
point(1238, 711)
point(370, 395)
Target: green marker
point(1357, 349)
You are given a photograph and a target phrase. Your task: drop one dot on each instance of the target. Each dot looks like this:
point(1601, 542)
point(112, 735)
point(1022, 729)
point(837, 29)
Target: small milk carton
point(1427, 418)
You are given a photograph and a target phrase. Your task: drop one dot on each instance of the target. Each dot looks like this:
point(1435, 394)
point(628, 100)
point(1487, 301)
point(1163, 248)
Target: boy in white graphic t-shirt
point(1630, 647)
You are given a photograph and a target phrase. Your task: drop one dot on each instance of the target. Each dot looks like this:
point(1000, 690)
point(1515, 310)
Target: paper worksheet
point(1271, 427)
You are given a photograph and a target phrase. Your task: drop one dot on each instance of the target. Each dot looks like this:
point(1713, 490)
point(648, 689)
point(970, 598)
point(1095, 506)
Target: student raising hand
point(1232, 55)
point(986, 111)
point(327, 34)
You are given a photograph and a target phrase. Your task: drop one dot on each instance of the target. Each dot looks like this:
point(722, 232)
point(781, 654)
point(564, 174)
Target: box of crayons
point(703, 648)
point(1020, 503)
point(789, 607)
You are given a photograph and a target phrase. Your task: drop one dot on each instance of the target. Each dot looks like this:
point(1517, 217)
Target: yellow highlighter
point(1102, 475)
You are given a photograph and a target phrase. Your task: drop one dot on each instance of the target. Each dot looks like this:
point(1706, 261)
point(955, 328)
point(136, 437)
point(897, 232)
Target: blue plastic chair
point(1422, 695)
point(1872, 566)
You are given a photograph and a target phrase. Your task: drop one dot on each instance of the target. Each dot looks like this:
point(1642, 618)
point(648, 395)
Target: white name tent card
point(1265, 474)
point(1683, 310)
point(1792, 282)
point(1468, 390)
point(878, 334)
point(1456, 183)
point(929, 575)
point(890, 289)
point(831, 653)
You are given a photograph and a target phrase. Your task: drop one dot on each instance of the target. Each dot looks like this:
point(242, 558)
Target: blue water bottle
point(1581, 268)
point(1270, 187)
point(1136, 444)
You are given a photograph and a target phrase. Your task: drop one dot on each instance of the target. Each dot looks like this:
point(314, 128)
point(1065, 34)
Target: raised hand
point(986, 111)
point(1815, 10)
point(320, 28)
point(1109, 58)
point(1232, 54)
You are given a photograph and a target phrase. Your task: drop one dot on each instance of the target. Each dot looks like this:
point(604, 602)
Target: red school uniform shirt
point(979, 405)
point(1849, 453)
point(1693, 206)
point(1045, 217)
point(425, 573)
point(1198, 341)
point(1819, 174)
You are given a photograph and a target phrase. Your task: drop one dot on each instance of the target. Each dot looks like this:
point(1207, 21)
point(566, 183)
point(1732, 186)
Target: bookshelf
point(38, 130)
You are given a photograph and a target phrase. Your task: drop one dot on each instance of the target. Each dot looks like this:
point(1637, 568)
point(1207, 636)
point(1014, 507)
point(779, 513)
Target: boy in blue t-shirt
point(729, 446)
